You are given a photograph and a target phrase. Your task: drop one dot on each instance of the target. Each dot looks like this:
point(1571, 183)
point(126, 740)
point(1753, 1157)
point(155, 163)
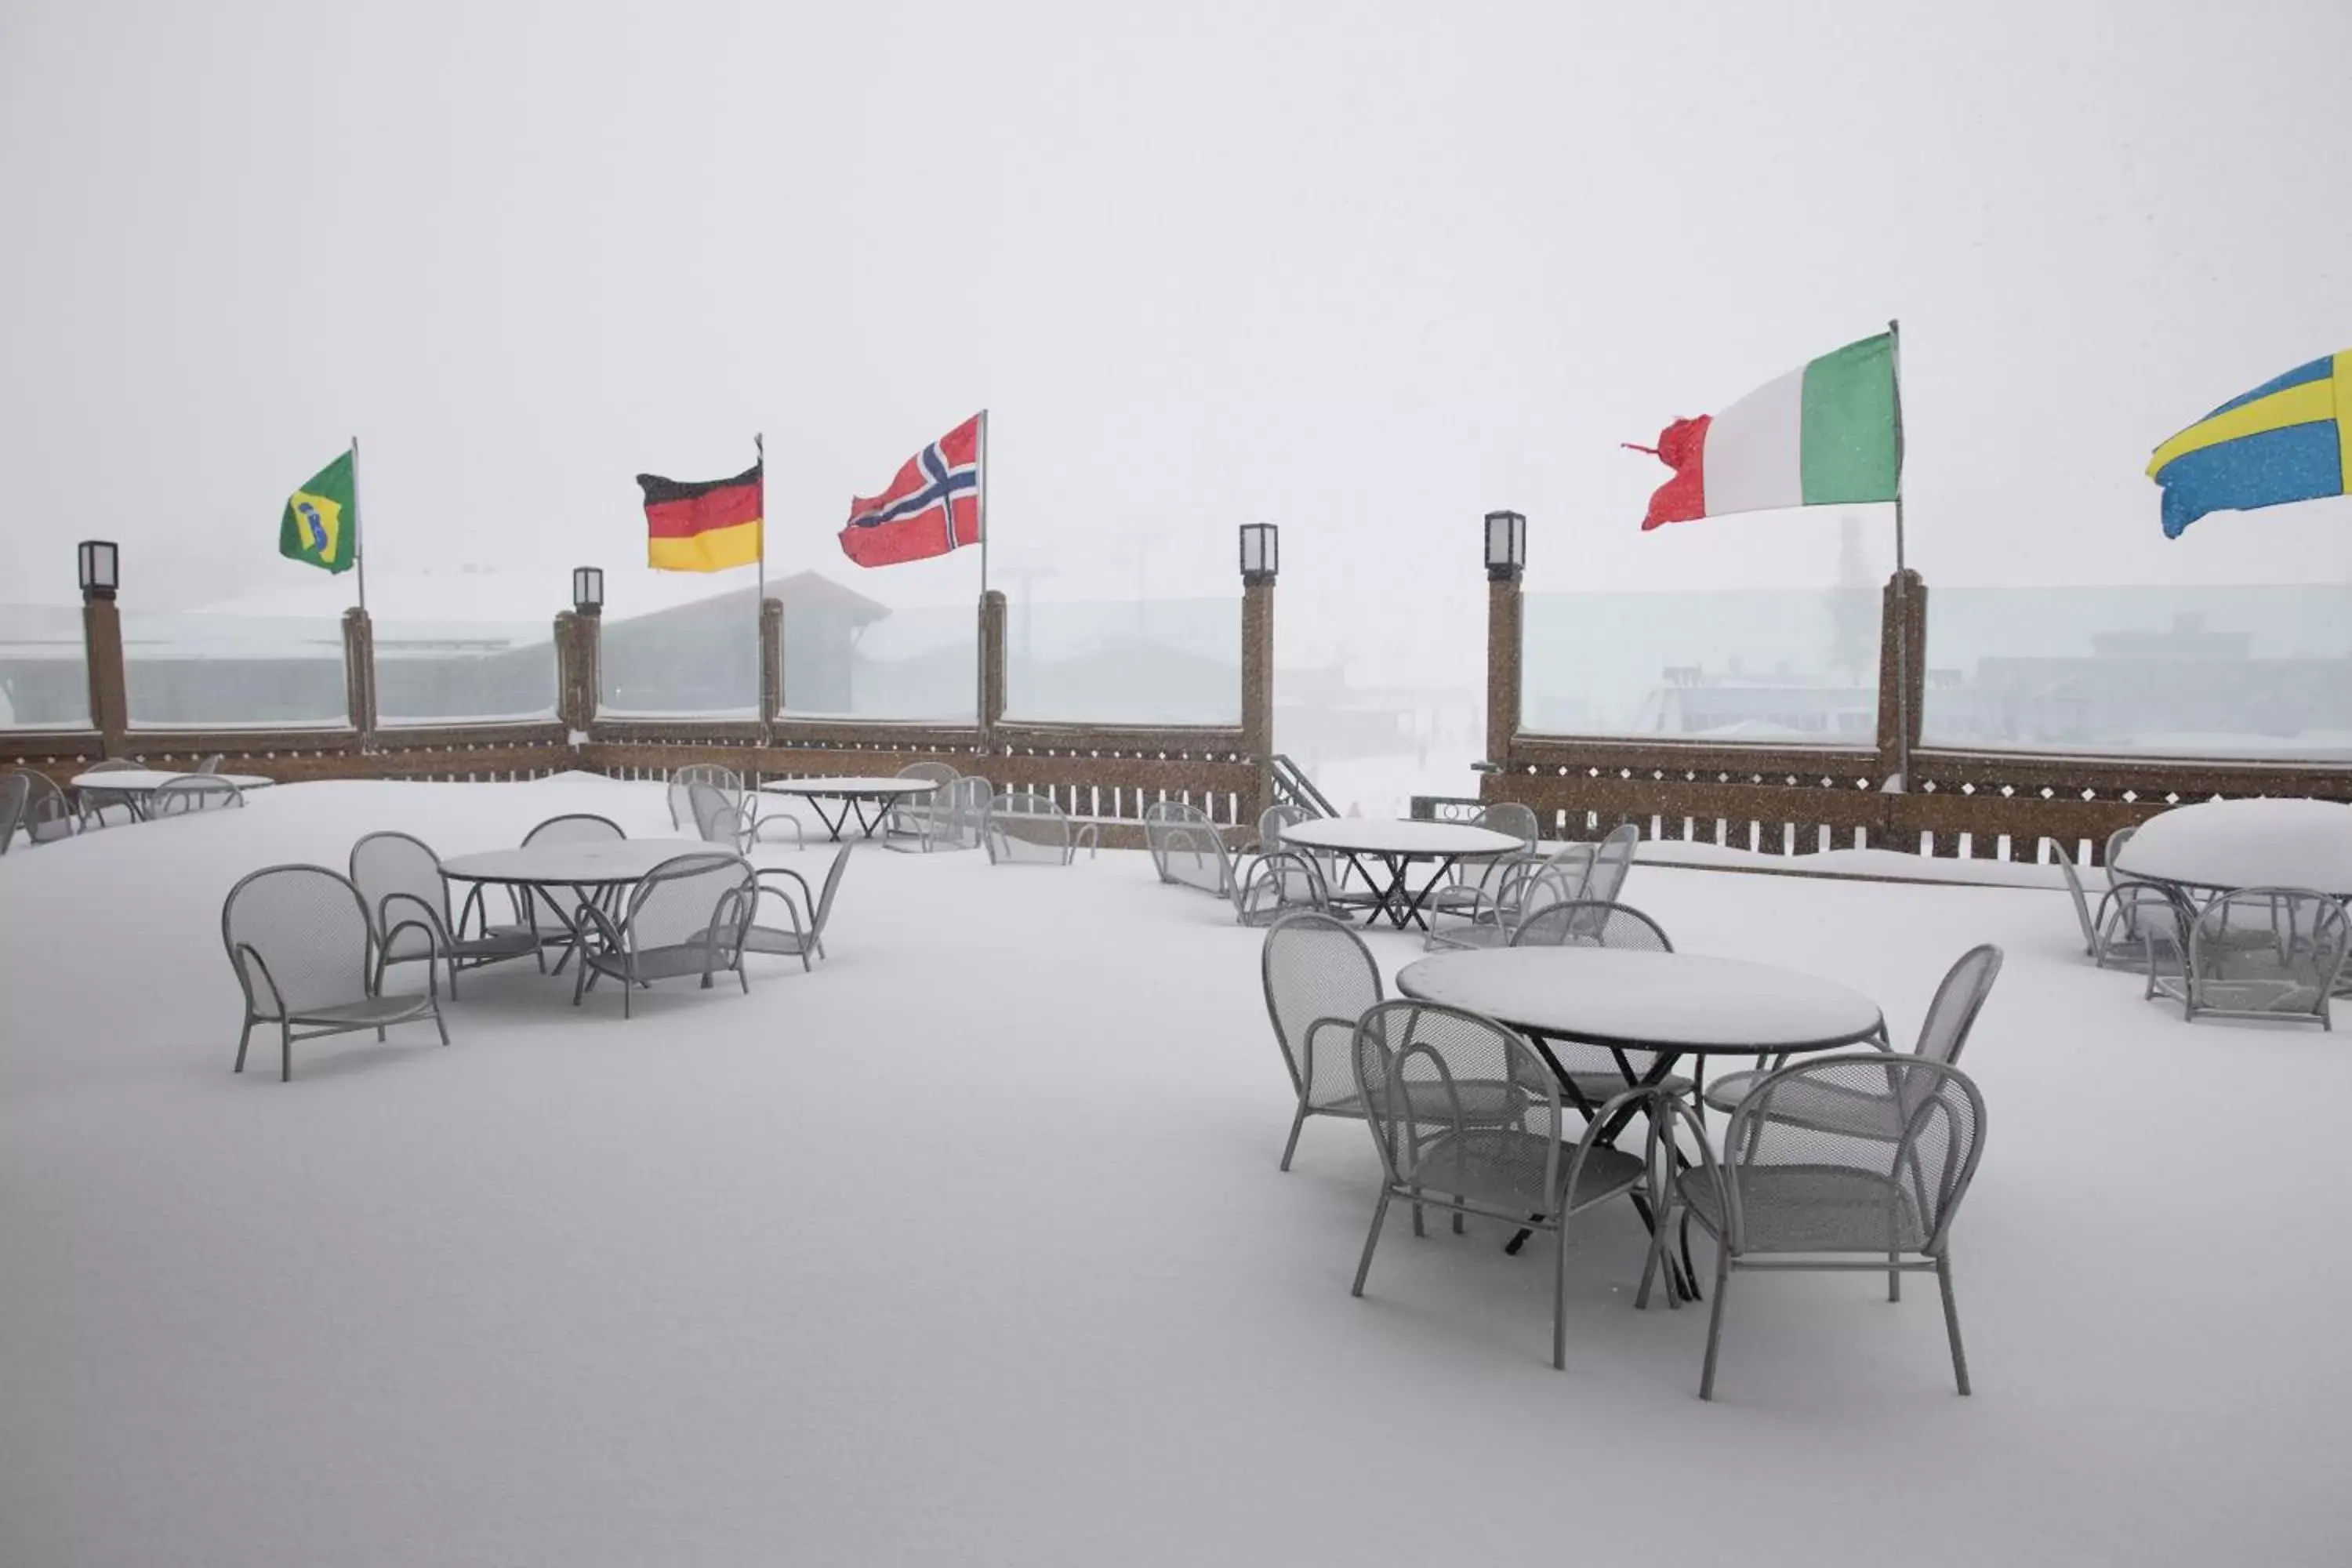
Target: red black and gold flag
point(706, 526)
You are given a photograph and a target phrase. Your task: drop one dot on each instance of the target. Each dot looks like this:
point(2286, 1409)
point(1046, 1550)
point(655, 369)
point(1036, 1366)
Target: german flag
point(703, 527)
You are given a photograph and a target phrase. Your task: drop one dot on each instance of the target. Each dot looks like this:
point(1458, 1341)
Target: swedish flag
point(321, 520)
point(2289, 439)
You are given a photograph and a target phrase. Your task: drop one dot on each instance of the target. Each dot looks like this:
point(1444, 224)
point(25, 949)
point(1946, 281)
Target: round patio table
point(1670, 1004)
point(1397, 844)
point(590, 870)
point(133, 786)
point(856, 794)
point(2217, 845)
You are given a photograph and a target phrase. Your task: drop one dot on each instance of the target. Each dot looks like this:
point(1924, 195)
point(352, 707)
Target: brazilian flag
point(321, 522)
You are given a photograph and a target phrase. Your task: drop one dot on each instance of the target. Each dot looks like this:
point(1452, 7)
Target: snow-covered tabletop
point(855, 794)
point(146, 781)
point(1671, 1001)
point(844, 788)
point(1399, 839)
point(2223, 844)
point(574, 865)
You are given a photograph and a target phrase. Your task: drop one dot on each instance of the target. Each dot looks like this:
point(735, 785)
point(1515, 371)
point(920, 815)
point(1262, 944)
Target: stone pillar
point(109, 709)
point(772, 660)
point(359, 673)
point(1504, 607)
point(1901, 670)
point(1257, 691)
point(991, 662)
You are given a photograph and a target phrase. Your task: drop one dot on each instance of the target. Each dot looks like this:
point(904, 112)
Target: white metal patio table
point(856, 795)
point(1670, 1004)
point(1398, 845)
point(134, 785)
point(2219, 846)
point(591, 871)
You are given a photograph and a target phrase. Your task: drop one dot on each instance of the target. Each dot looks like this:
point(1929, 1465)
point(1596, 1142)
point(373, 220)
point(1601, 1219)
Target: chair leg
point(1894, 1278)
point(1714, 1317)
point(1296, 1122)
point(440, 1024)
point(1952, 1323)
point(244, 1036)
point(285, 1052)
point(1655, 1263)
point(1559, 1300)
point(1364, 1266)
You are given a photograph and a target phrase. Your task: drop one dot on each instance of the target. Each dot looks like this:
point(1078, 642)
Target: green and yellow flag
point(322, 521)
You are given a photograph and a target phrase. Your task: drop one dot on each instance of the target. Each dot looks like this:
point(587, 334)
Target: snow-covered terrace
point(969, 1248)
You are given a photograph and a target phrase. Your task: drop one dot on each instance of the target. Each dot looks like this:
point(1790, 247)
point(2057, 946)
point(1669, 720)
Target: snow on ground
point(970, 1247)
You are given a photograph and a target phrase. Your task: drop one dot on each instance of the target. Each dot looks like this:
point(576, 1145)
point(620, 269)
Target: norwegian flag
point(932, 508)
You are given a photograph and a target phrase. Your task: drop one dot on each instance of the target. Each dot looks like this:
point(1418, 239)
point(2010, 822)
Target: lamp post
point(588, 590)
point(1507, 558)
point(98, 565)
point(1507, 546)
point(1261, 554)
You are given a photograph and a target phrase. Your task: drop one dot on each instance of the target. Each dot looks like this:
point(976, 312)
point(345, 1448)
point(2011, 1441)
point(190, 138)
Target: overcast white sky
point(1365, 270)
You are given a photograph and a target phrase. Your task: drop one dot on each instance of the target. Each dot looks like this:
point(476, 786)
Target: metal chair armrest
point(277, 999)
point(435, 950)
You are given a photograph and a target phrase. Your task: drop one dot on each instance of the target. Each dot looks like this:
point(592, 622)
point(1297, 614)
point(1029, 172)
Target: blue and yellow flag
point(2288, 439)
point(321, 524)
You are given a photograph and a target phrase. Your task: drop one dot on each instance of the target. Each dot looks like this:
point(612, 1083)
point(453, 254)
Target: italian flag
point(1824, 434)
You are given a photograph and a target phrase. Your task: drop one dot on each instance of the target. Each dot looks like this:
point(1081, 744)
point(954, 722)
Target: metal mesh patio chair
point(299, 940)
point(1029, 828)
point(92, 805)
point(1268, 886)
point(913, 823)
point(1787, 1194)
point(1592, 1070)
point(1420, 1071)
point(1186, 848)
point(1589, 922)
point(1274, 819)
point(686, 916)
point(2098, 928)
point(1472, 884)
point(574, 827)
point(399, 879)
point(2116, 842)
point(1497, 895)
point(1943, 1036)
point(191, 793)
point(13, 793)
point(802, 934)
point(1319, 978)
point(1611, 862)
point(962, 824)
point(46, 816)
point(2259, 953)
point(753, 815)
point(532, 909)
point(1495, 924)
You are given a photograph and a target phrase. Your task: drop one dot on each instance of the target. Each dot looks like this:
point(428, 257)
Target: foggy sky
point(1364, 270)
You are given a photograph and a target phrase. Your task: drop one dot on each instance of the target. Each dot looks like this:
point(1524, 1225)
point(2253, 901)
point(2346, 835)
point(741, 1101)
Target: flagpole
point(760, 599)
point(1902, 579)
point(981, 696)
point(359, 540)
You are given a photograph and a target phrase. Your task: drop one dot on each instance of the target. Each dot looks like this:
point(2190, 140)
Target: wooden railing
point(1107, 773)
point(1895, 794)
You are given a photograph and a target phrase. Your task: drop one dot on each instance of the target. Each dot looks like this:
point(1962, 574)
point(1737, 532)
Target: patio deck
point(970, 1247)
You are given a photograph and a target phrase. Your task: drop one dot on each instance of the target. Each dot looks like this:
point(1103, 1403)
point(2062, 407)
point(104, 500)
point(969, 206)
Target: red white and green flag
point(1824, 434)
